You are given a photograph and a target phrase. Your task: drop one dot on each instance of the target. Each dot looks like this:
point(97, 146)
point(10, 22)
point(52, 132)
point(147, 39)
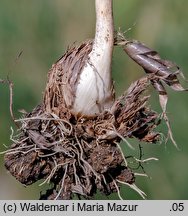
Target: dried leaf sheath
point(63, 78)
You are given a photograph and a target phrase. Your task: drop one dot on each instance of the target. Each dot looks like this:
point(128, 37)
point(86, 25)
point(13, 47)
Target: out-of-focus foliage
point(44, 29)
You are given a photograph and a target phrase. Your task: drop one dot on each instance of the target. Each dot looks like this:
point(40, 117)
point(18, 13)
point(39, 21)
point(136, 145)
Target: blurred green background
point(43, 29)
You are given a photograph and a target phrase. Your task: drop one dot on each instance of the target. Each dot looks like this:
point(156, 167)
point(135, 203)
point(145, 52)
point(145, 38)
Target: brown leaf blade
point(158, 70)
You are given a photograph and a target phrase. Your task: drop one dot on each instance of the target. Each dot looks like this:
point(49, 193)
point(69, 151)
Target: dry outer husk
point(77, 154)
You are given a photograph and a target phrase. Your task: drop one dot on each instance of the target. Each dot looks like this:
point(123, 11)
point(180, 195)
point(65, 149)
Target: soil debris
point(81, 156)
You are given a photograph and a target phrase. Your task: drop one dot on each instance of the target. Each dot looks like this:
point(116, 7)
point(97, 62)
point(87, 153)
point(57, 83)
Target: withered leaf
point(159, 70)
